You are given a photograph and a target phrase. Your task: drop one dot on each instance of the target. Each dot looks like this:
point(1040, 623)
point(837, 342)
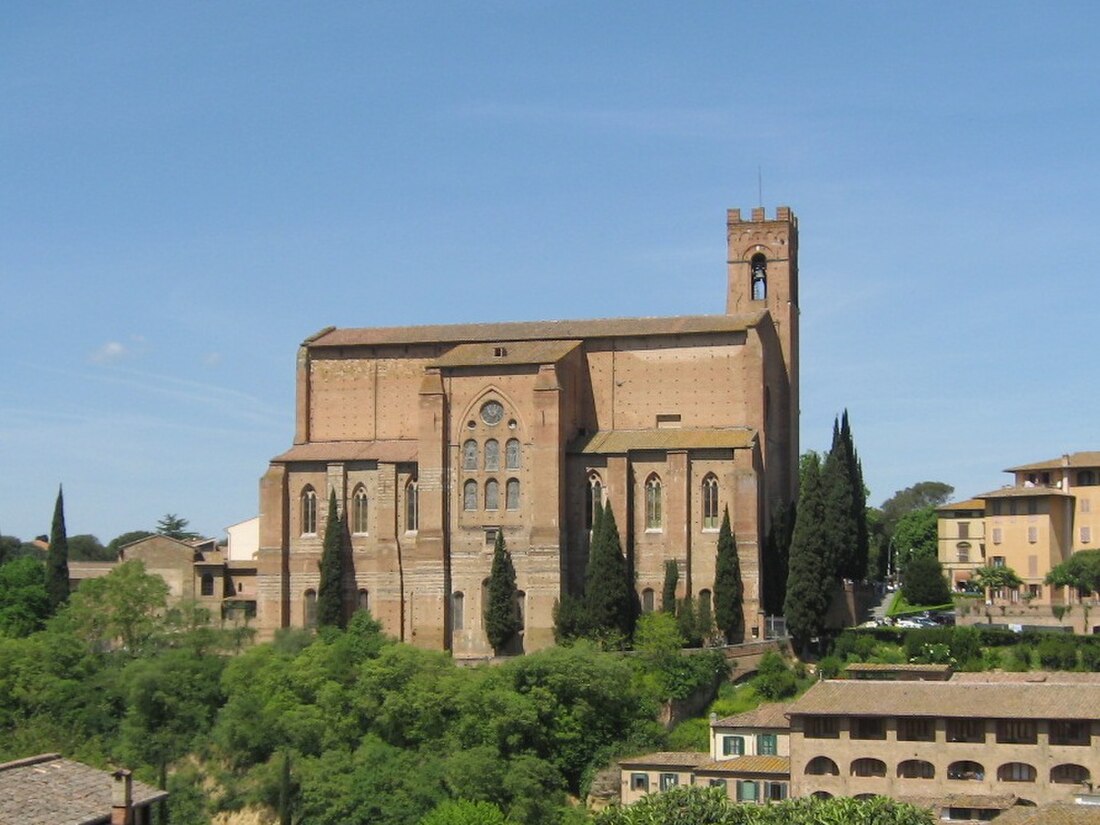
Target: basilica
point(437, 438)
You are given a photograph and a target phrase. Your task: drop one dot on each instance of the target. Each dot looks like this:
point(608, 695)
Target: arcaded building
point(436, 438)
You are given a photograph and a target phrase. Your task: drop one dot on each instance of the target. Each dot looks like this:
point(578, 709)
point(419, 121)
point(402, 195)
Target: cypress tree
point(330, 592)
point(608, 592)
point(838, 528)
point(862, 553)
point(809, 583)
point(501, 618)
point(728, 588)
point(776, 548)
point(57, 557)
point(687, 623)
point(668, 590)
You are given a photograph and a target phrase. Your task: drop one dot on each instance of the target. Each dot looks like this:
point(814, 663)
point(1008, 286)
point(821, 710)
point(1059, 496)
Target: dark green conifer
point(809, 583)
point(728, 587)
point(668, 590)
point(776, 548)
point(330, 592)
point(608, 591)
point(838, 528)
point(861, 556)
point(57, 557)
point(501, 616)
point(687, 622)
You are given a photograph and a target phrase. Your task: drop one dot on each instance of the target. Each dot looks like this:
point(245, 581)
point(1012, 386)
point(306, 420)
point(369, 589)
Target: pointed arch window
point(362, 599)
point(469, 495)
point(759, 268)
point(653, 503)
point(492, 454)
point(710, 502)
point(309, 511)
point(492, 495)
point(511, 454)
point(469, 454)
point(521, 609)
point(458, 611)
point(593, 500)
point(412, 508)
point(511, 494)
point(310, 604)
point(359, 509)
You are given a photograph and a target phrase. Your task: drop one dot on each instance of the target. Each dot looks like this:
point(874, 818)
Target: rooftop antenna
point(760, 187)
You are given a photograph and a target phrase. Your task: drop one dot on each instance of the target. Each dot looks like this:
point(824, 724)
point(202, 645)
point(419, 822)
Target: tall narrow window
point(647, 600)
point(412, 508)
point(359, 511)
point(704, 601)
point(593, 500)
point(469, 495)
point(469, 455)
point(492, 454)
point(521, 609)
point(207, 586)
point(310, 602)
point(309, 512)
point(458, 611)
point(362, 600)
point(492, 495)
point(759, 266)
point(653, 503)
point(511, 454)
point(710, 502)
point(511, 500)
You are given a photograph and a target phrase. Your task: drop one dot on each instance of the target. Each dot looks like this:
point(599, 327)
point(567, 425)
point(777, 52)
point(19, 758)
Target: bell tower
point(762, 261)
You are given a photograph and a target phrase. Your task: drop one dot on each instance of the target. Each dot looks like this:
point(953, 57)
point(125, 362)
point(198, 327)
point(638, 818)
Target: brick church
point(436, 438)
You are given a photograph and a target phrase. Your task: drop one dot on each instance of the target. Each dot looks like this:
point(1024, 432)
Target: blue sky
point(189, 190)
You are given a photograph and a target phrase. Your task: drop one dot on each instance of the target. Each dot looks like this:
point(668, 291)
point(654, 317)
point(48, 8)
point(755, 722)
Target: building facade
point(434, 439)
point(1049, 512)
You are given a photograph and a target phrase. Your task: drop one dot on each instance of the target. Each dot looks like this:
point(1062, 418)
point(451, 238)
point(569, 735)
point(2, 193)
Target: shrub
point(1090, 657)
point(829, 667)
point(774, 680)
point(1057, 653)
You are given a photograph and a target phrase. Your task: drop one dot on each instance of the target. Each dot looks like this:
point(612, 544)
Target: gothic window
point(710, 502)
point(653, 503)
point(511, 495)
point(362, 600)
point(469, 495)
point(647, 600)
point(593, 500)
point(492, 495)
point(309, 512)
point(492, 454)
point(412, 508)
point(759, 267)
point(511, 454)
point(458, 611)
point(521, 609)
point(359, 511)
point(310, 602)
point(469, 455)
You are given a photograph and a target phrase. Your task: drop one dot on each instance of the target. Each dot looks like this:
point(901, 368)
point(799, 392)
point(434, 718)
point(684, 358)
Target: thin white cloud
point(212, 359)
point(110, 352)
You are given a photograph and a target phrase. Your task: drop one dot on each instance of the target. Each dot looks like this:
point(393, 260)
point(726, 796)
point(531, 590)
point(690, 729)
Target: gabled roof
point(1056, 813)
point(1083, 459)
point(671, 759)
point(777, 766)
point(1026, 492)
point(612, 442)
point(506, 353)
point(392, 451)
point(969, 504)
point(534, 330)
point(951, 699)
point(49, 790)
point(767, 715)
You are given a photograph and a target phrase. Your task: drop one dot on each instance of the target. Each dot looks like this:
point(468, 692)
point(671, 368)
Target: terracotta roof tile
point(535, 330)
point(969, 504)
point(774, 765)
point(672, 759)
point(905, 667)
point(1082, 459)
point(768, 715)
point(1057, 813)
point(512, 353)
point(391, 451)
point(1064, 677)
point(1025, 492)
point(997, 802)
point(951, 699)
point(49, 790)
point(623, 441)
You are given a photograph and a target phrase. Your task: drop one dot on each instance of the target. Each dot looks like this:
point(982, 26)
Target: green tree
point(86, 547)
point(687, 622)
point(668, 589)
point(728, 587)
point(1081, 570)
point(125, 606)
point(809, 583)
point(923, 582)
point(996, 578)
point(919, 496)
point(838, 527)
point(501, 616)
point(570, 619)
point(175, 527)
point(608, 591)
point(464, 812)
point(24, 606)
point(777, 546)
point(118, 542)
point(57, 557)
point(774, 678)
point(861, 553)
point(285, 804)
point(9, 548)
point(916, 534)
point(330, 592)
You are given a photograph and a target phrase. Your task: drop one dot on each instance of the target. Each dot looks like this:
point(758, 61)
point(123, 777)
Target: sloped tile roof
point(951, 699)
point(535, 330)
point(49, 790)
point(624, 441)
point(767, 715)
point(1082, 459)
point(1025, 492)
point(999, 802)
point(969, 504)
point(778, 766)
point(513, 353)
point(1057, 813)
point(670, 759)
point(391, 451)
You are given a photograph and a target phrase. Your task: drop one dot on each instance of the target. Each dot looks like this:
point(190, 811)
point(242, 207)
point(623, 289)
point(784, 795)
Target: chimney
point(121, 798)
